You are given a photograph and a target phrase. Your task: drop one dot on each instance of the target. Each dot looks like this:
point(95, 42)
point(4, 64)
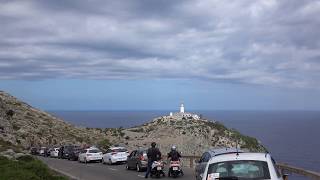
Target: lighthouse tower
point(181, 108)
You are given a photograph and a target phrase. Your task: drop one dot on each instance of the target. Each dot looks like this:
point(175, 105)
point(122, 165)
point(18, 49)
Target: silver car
point(206, 156)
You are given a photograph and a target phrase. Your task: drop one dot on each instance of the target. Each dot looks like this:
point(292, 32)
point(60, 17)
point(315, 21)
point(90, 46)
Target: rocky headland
point(23, 126)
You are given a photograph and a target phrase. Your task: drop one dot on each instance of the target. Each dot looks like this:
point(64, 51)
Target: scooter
point(175, 169)
point(157, 169)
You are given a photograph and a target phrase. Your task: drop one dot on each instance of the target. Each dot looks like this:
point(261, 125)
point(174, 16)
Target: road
point(99, 171)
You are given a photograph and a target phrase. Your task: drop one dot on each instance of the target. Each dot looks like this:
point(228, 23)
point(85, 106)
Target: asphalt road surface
point(99, 171)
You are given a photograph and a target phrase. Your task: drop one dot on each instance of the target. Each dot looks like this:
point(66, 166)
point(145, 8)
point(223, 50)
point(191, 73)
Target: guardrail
point(291, 169)
point(284, 168)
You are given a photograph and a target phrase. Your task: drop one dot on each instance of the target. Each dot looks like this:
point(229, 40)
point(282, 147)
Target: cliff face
point(25, 126)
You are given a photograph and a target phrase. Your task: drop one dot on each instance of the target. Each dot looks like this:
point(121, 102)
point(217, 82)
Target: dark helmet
point(153, 144)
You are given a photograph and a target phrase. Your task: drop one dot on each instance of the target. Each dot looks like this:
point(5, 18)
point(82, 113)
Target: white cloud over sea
point(266, 42)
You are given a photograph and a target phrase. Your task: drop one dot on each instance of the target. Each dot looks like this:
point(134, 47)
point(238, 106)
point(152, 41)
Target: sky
point(155, 54)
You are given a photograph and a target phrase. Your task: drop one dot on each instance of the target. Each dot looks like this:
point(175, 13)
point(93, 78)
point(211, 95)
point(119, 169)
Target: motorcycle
point(157, 169)
point(175, 169)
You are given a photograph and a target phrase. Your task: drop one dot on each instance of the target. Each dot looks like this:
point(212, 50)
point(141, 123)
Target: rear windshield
point(119, 150)
point(144, 153)
point(94, 151)
point(248, 169)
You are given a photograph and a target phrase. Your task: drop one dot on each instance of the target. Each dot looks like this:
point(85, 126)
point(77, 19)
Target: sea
point(292, 137)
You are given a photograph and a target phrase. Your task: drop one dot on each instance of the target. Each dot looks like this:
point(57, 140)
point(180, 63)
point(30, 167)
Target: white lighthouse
point(181, 108)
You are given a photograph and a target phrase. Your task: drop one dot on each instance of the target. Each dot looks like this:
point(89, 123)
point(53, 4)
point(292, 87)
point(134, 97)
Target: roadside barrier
point(285, 168)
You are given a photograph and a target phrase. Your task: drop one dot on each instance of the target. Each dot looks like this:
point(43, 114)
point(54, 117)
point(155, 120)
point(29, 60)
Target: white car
point(42, 151)
point(54, 152)
point(90, 154)
point(242, 166)
point(115, 155)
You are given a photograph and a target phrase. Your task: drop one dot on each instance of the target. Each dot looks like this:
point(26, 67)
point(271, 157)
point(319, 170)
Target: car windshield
point(77, 149)
point(94, 151)
point(119, 150)
point(248, 169)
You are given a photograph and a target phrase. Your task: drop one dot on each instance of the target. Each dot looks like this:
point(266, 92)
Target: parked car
point(34, 151)
point(54, 153)
point(68, 151)
point(137, 160)
point(49, 152)
point(115, 155)
point(90, 154)
point(206, 156)
point(73, 152)
point(60, 153)
point(242, 166)
point(43, 151)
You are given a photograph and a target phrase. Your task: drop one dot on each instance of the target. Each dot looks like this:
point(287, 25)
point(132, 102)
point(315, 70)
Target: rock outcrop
point(192, 136)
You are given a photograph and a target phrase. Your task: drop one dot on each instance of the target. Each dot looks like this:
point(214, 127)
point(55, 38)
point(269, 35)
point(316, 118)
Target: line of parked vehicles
point(222, 163)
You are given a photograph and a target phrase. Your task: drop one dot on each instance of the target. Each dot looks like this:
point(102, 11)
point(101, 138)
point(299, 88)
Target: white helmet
point(173, 148)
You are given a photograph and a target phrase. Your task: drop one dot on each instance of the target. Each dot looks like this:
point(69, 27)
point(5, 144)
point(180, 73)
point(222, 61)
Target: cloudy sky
point(154, 54)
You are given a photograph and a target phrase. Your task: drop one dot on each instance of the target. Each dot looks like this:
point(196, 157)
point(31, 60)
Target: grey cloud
point(256, 42)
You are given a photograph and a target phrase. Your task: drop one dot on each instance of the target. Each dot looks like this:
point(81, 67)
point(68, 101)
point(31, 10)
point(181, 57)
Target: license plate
point(159, 168)
point(175, 168)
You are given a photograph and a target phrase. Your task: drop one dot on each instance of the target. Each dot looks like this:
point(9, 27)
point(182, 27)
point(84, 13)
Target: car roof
point(240, 156)
point(220, 151)
point(112, 148)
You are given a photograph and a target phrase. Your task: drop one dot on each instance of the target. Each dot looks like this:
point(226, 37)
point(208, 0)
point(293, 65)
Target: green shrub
point(104, 144)
point(26, 168)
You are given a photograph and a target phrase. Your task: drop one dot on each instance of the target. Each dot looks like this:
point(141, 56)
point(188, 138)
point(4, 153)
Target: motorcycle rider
point(174, 155)
point(153, 154)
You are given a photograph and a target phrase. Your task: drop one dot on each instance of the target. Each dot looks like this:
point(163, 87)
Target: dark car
point(206, 156)
point(60, 154)
point(69, 152)
point(73, 152)
point(34, 151)
point(137, 160)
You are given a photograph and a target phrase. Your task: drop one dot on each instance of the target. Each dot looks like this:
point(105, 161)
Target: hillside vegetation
point(22, 125)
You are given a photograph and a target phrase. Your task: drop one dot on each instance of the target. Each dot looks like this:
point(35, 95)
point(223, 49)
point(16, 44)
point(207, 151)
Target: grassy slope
point(26, 168)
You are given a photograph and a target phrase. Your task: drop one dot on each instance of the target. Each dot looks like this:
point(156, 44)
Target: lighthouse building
point(184, 115)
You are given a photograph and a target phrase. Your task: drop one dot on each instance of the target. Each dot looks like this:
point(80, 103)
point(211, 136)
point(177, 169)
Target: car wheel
point(138, 167)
